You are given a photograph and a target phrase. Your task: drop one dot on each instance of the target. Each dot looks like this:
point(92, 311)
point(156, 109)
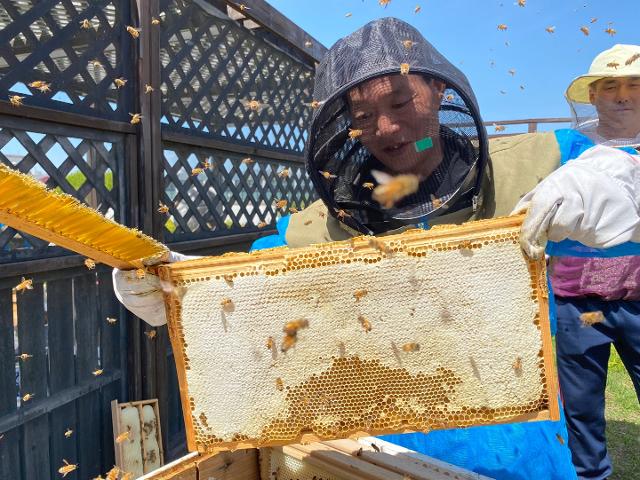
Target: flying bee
point(147, 88)
point(410, 347)
point(253, 105)
point(134, 32)
point(15, 100)
point(243, 7)
point(135, 118)
point(449, 97)
point(512, 72)
point(279, 384)
point(585, 30)
point(560, 439)
point(499, 128)
point(594, 19)
point(632, 59)
point(281, 204)
point(551, 29)
point(288, 341)
point(262, 224)
point(327, 175)
point(68, 433)
point(384, 3)
point(90, 264)
point(308, 43)
point(41, 85)
point(162, 208)
point(435, 201)
point(354, 133)
point(248, 161)
point(502, 27)
point(140, 274)
point(521, 87)
point(120, 82)
point(417, 9)
point(293, 210)
point(308, 222)
point(408, 44)
point(366, 324)
point(341, 214)
point(196, 171)
point(151, 334)
point(226, 304)
point(348, 14)
point(368, 185)
point(591, 318)
point(517, 364)
point(86, 24)
point(270, 343)
point(284, 173)
point(292, 327)
point(127, 475)
point(522, 3)
point(393, 189)
point(404, 68)
point(613, 65)
point(155, 21)
point(67, 468)
point(610, 31)
point(113, 473)
point(25, 284)
point(98, 372)
point(95, 63)
point(28, 396)
point(112, 321)
point(503, 92)
point(358, 294)
point(315, 104)
point(24, 356)
point(205, 164)
point(123, 436)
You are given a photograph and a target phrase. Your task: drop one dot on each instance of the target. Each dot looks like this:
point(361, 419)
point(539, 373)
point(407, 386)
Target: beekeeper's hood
point(388, 101)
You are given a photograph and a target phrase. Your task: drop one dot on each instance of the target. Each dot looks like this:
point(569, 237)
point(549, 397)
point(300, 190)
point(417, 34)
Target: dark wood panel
point(85, 298)
point(89, 435)
point(109, 331)
point(61, 334)
point(32, 340)
point(35, 449)
point(63, 447)
point(8, 390)
point(108, 393)
point(10, 468)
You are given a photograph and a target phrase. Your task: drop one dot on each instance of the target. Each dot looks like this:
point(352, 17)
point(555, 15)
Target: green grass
point(623, 422)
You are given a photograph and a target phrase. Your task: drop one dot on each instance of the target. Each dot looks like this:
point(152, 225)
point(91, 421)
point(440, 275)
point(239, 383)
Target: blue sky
point(465, 31)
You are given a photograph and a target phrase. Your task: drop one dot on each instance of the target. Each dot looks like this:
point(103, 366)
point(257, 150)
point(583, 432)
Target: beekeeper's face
point(617, 101)
point(394, 112)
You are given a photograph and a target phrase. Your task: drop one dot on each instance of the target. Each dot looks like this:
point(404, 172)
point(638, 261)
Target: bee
point(368, 185)
point(315, 104)
point(322, 214)
point(270, 343)
point(366, 324)
point(25, 284)
point(354, 133)
point(28, 396)
point(308, 44)
point(404, 69)
point(228, 279)
point(435, 201)
point(292, 327)
point(95, 63)
point(521, 87)
point(196, 171)
point(243, 7)
point(594, 19)
point(384, 3)
point(262, 224)
point(279, 384)
point(517, 364)
point(408, 44)
point(68, 433)
point(585, 30)
point(358, 294)
point(147, 88)
point(375, 447)
point(502, 27)
point(206, 164)
point(281, 204)
point(45, 88)
point(287, 342)
point(86, 24)
point(393, 189)
point(40, 85)
point(151, 334)
point(560, 439)
point(120, 82)
point(284, 173)
point(591, 318)
point(253, 105)
point(308, 222)
point(135, 118)
point(293, 210)
point(417, 9)
point(99, 477)
point(248, 161)
point(134, 32)
point(226, 304)
point(155, 21)
point(632, 59)
point(140, 274)
point(503, 92)
point(15, 100)
point(162, 208)
point(610, 31)
point(123, 436)
point(112, 321)
point(327, 175)
point(113, 473)
point(24, 356)
point(89, 263)
point(380, 245)
point(499, 128)
point(410, 347)
point(551, 29)
point(613, 65)
point(348, 14)
point(67, 468)
point(512, 72)
point(98, 372)
point(127, 476)
point(449, 97)
point(522, 3)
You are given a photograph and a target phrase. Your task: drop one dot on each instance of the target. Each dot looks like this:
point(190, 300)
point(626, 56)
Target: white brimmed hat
point(618, 61)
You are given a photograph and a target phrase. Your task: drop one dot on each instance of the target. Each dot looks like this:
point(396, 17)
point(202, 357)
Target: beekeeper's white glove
point(143, 296)
point(593, 199)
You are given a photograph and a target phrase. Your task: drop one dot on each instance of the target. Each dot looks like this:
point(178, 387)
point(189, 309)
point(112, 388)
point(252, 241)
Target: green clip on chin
point(424, 144)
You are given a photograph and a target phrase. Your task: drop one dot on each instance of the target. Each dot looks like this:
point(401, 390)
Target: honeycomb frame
point(350, 392)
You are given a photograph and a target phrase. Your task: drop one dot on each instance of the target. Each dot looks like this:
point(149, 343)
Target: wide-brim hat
point(618, 61)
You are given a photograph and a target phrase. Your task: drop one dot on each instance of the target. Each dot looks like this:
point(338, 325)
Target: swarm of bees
point(67, 468)
point(591, 318)
point(25, 284)
point(89, 263)
point(393, 189)
point(133, 31)
point(41, 86)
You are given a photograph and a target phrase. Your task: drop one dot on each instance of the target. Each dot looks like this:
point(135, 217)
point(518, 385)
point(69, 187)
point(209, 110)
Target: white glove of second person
point(143, 296)
point(593, 199)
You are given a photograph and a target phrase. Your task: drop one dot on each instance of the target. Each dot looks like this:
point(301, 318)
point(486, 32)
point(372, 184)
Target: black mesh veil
point(389, 101)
